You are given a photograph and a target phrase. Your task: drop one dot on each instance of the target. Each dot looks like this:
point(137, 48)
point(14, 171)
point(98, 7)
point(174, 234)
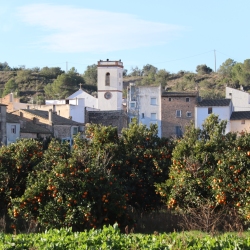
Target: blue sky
point(171, 35)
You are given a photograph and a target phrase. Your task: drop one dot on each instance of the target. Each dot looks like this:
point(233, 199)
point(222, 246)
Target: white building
point(240, 99)
point(144, 104)
point(222, 107)
point(110, 85)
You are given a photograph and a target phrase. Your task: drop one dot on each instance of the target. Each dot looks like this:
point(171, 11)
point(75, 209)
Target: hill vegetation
point(36, 85)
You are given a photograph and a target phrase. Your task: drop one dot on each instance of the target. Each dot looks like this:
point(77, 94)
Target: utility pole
point(66, 67)
point(215, 61)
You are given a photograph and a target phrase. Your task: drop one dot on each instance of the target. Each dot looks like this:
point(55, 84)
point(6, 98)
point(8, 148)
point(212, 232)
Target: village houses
point(171, 111)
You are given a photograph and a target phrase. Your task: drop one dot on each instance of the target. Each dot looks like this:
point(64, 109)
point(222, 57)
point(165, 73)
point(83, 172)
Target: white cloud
point(70, 29)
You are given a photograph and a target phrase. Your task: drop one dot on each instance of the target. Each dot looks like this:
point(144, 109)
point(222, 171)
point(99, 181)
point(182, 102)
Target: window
point(170, 99)
point(107, 79)
point(13, 129)
point(74, 130)
point(187, 99)
point(189, 114)
point(178, 131)
point(242, 121)
point(210, 110)
point(153, 101)
point(178, 113)
point(132, 104)
point(142, 116)
point(153, 116)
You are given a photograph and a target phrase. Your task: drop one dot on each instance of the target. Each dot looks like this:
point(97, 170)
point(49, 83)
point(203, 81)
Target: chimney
point(50, 116)
point(28, 106)
point(54, 108)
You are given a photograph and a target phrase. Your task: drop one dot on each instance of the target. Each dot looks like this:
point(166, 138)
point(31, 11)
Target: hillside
point(209, 85)
point(36, 84)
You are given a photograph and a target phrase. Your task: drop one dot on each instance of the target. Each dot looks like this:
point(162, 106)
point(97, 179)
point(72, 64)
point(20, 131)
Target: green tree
point(10, 87)
point(203, 69)
point(51, 73)
point(23, 76)
point(4, 67)
point(226, 68)
point(241, 73)
point(65, 85)
point(135, 71)
point(90, 75)
point(16, 161)
point(143, 159)
point(75, 189)
point(161, 77)
point(209, 169)
point(149, 69)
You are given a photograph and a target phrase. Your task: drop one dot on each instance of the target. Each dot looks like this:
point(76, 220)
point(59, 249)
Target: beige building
point(12, 103)
point(240, 121)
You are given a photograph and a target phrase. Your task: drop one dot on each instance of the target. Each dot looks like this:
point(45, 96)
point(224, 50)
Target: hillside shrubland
point(37, 84)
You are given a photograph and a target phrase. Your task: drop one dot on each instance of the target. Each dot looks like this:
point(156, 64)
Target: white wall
point(115, 69)
point(143, 107)
point(90, 101)
point(224, 113)
point(78, 111)
point(12, 137)
point(240, 99)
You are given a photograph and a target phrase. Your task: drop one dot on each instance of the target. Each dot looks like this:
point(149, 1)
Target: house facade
point(221, 107)
point(12, 128)
point(177, 111)
point(240, 121)
point(144, 104)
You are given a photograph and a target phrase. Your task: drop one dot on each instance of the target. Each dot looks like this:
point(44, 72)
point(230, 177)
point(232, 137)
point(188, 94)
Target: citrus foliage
point(209, 167)
point(97, 181)
point(143, 160)
point(16, 161)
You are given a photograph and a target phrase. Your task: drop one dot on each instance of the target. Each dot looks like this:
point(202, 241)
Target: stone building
point(177, 111)
point(115, 118)
point(58, 126)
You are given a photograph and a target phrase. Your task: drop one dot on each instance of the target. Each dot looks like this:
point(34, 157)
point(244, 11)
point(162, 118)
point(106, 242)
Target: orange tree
point(142, 160)
point(208, 168)
point(16, 161)
point(75, 189)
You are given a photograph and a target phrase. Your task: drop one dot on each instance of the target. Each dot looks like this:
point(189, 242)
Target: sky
point(173, 35)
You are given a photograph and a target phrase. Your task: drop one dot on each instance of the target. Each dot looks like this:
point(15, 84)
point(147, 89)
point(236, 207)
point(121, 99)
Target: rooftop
point(179, 94)
point(57, 120)
point(240, 115)
point(214, 102)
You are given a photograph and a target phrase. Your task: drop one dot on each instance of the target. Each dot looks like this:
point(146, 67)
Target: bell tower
point(110, 84)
